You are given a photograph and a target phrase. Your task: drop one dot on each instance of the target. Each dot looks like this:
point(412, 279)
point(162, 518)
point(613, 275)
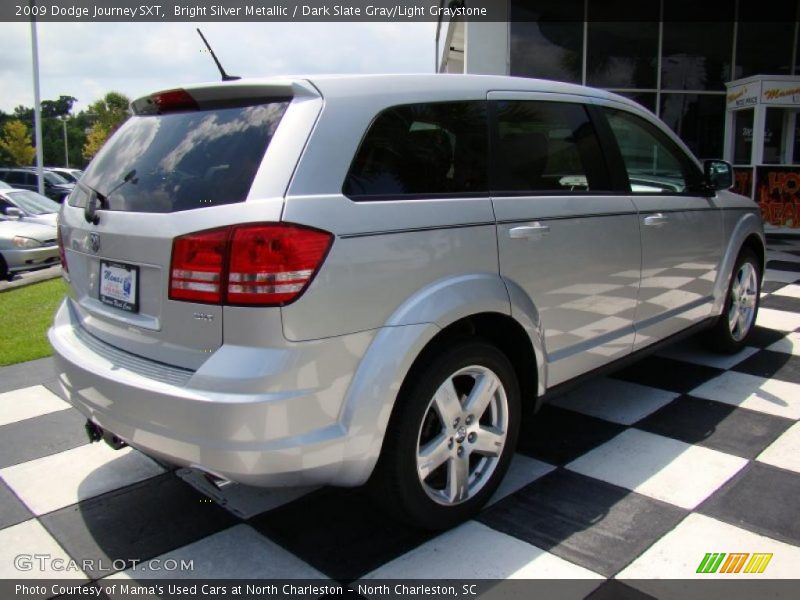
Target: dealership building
point(678, 58)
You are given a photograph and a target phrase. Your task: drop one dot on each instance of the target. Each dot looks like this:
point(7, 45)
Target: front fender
point(746, 225)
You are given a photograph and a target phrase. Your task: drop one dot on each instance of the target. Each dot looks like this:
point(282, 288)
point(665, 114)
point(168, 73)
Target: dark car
point(55, 187)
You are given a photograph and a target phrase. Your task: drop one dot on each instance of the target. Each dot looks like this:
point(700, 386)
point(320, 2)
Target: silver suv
point(338, 280)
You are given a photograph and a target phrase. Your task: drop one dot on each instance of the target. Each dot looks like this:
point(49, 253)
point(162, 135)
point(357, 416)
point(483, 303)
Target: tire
point(736, 323)
point(468, 453)
point(4, 273)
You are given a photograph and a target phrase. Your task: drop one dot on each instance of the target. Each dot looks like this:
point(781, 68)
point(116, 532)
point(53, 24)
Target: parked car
point(5, 186)
point(26, 246)
point(341, 280)
point(29, 206)
point(71, 175)
point(55, 187)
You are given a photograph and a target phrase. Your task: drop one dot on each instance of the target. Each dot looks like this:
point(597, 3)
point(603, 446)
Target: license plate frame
point(119, 285)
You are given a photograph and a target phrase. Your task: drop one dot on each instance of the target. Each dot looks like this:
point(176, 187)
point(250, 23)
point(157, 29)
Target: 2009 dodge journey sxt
point(337, 280)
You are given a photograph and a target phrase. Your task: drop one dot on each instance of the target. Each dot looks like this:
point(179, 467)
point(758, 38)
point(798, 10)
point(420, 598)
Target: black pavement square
point(715, 425)
point(786, 303)
point(558, 436)
point(343, 533)
point(768, 287)
point(775, 365)
point(12, 510)
point(136, 522)
point(41, 436)
point(614, 589)
point(761, 337)
point(667, 374)
point(26, 374)
point(761, 498)
point(589, 522)
point(784, 265)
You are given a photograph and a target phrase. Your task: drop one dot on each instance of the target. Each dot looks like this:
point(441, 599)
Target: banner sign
point(743, 181)
point(778, 194)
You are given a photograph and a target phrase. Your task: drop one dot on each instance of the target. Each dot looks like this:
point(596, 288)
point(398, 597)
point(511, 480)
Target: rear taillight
point(61, 254)
point(264, 264)
point(198, 260)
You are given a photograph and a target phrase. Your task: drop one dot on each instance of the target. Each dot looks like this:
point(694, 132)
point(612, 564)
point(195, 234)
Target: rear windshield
point(180, 161)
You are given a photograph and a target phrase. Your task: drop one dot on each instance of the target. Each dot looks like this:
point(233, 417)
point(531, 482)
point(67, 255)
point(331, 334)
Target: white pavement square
point(55, 481)
point(501, 557)
point(771, 396)
point(659, 467)
point(785, 451)
point(27, 403)
point(678, 554)
point(30, 538)
point(615, 400)
point(236, 553)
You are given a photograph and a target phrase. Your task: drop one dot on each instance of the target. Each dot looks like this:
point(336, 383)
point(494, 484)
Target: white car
point(26, 246)
point(29, 206)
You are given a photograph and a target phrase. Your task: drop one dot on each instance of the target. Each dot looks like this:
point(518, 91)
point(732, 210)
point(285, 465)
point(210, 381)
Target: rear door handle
point(656, 220)
point(530, 232)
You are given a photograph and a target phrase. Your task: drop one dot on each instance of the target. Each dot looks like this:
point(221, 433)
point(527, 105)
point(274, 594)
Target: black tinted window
point(654, 163)
point(180, 161)
point(15, 177)
point(546, 146)
point(437, 148)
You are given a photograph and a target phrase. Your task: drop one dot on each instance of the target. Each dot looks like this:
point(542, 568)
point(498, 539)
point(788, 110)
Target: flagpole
point(37, 109)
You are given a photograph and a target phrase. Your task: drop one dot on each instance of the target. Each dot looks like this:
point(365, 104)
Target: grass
point(26, 314)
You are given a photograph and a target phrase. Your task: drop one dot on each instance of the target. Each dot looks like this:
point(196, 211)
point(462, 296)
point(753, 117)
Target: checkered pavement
point(629, 477)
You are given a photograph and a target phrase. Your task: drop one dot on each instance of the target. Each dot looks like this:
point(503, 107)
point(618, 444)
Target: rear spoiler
point(223, 95)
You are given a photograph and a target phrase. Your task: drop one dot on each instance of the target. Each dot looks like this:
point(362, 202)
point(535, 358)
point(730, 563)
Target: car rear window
point(180, 161)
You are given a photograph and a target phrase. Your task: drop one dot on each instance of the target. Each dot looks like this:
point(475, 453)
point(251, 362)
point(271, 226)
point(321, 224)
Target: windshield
point(53, 178)
point(33, 203)
point(181, 161)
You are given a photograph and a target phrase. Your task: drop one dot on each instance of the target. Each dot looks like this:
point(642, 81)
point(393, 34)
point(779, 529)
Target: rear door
point(169, 172)
point(565, 237)
point(681, 228)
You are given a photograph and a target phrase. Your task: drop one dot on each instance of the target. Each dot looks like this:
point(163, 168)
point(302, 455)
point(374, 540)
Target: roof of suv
point(426, 85)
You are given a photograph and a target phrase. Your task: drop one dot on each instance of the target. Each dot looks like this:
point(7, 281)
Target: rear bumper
point(280, 430)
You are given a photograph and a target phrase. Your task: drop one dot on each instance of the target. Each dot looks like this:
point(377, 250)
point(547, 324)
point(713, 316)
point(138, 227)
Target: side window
point(15, 177)
point(421, 149)
point(546, 146)
point(653, 162)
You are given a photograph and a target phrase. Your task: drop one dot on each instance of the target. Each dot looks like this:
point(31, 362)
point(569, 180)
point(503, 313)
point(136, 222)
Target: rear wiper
point(91, 208)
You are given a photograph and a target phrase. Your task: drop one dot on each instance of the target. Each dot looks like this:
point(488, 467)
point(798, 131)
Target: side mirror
point(13, 211)
point(718, 175)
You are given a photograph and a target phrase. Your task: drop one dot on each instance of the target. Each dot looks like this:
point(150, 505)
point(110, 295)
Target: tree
point(16, 143)
point(110, 112)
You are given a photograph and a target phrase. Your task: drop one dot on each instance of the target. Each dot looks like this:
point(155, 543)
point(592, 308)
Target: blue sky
point(86, 60)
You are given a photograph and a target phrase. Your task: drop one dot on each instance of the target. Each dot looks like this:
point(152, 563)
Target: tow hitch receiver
point(93, 431)
point(96, 433)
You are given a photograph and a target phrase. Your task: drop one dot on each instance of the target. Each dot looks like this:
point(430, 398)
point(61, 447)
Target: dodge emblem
point(94, 242)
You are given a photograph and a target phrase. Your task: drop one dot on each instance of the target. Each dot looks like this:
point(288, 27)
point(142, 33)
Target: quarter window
point(422, 149)
point(546, 147)
point(654, 163)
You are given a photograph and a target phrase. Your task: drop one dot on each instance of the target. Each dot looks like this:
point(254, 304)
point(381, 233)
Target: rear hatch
point(187, 161)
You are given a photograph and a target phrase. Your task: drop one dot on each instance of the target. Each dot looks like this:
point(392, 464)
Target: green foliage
point(16, 143)
point(110, 112)
point(100, 120)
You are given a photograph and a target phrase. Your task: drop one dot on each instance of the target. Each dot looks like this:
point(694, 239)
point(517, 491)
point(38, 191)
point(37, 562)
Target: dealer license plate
point(119, 285)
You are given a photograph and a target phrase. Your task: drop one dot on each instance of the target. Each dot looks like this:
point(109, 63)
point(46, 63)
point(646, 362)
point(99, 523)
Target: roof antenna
point(225, 76)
